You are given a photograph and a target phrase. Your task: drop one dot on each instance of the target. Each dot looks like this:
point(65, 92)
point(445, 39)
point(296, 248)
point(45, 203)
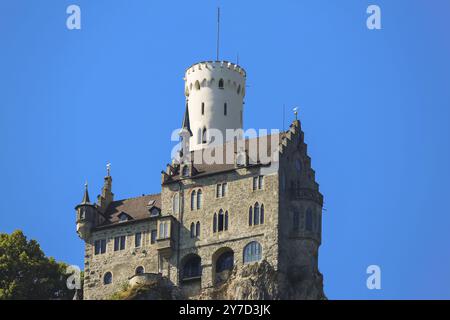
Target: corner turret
point(86, 216)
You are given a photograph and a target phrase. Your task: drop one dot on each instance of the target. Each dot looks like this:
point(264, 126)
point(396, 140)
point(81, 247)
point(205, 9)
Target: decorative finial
point(86, 194)
point(108, 169)
point(296, 112)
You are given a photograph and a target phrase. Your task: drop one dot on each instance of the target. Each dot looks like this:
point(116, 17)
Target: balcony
point(165, 246)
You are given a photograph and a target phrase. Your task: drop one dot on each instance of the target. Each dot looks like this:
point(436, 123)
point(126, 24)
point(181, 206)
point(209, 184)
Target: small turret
point(185, 135)
point(86, 215)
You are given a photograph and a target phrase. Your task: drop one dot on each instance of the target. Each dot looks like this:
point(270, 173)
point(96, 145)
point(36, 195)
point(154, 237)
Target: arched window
point(256, 214)
point(193, 200)
point(197, 85)
point(225, 262)
point(309, 220)
point(296, 221)
point(221, 84)
point(175, 203)
point(221, 221)
point(239, 89)
point(197, 229)
point(226, 221)
point(261, 214)
point(204, 138)
point(252, 252)
point(185, 172)
point(225, 109)
point(199, 199)
point(139, 270)
point(215, 222)
point(107, 278)
point(192, 230)
point(192, 268)
point(250, 216)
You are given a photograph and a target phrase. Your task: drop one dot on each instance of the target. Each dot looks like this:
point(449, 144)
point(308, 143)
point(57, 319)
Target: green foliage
point(26, 273)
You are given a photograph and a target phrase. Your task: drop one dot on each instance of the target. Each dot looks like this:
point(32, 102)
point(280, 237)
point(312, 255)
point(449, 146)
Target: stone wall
point(122, 264)
point(239, 197)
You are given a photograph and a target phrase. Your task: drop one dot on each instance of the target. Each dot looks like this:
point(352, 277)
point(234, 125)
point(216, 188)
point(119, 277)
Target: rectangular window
point(119, 243)
point(102, 246)
point(219, 191)
point(137, 239)
point(258, 182)
point(225, 109)
point(153, 235)
point(203, 108)
point(122, 242)
point(116, 243)
point(97, 247)
point(224, 190)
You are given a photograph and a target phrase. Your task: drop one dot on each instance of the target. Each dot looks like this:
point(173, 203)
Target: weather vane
point(296, 112)
point(108, 169)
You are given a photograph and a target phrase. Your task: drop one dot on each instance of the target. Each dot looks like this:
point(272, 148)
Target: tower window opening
point(203, 108)
point(192, 230)
point(197, 229)
point(199, 199)
point(193, 196)
point(220, 224)
point(221, 84)
point(215, 222)
point(225, 109)
point(204, 140)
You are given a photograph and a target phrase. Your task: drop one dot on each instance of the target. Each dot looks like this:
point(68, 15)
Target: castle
point(213, 219)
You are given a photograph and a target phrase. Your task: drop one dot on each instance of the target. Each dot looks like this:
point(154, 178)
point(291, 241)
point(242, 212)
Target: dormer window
point(123, 217)
point(154, 212)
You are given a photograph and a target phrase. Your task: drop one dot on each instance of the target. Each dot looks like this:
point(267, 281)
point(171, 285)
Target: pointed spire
point(86, 195)
point(186, 123)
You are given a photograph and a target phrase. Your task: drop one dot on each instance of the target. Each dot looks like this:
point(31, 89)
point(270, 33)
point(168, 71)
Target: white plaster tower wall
point(206, 98)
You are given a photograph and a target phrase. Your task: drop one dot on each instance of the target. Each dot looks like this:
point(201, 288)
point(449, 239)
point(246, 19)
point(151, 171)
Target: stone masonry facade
point(197, 241)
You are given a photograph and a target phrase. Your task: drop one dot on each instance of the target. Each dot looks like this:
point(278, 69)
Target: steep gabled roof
point(137, 208)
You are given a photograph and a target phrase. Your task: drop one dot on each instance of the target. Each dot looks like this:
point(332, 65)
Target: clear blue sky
point(375, 107)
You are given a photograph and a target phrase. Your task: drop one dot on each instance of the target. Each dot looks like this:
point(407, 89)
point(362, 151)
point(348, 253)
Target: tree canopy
point(26, 273)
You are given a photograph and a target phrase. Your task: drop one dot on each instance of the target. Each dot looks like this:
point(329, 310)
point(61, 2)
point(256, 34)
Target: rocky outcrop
point(149, 287)
point(257, 281)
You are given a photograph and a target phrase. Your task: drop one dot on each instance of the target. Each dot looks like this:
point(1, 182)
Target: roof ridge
point(137, 197)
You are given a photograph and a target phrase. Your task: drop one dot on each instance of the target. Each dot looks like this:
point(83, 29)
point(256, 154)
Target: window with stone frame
point(137, 239)
point(119, 243)
point(153, 236)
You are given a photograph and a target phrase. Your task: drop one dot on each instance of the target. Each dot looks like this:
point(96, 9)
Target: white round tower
point(215, 93)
